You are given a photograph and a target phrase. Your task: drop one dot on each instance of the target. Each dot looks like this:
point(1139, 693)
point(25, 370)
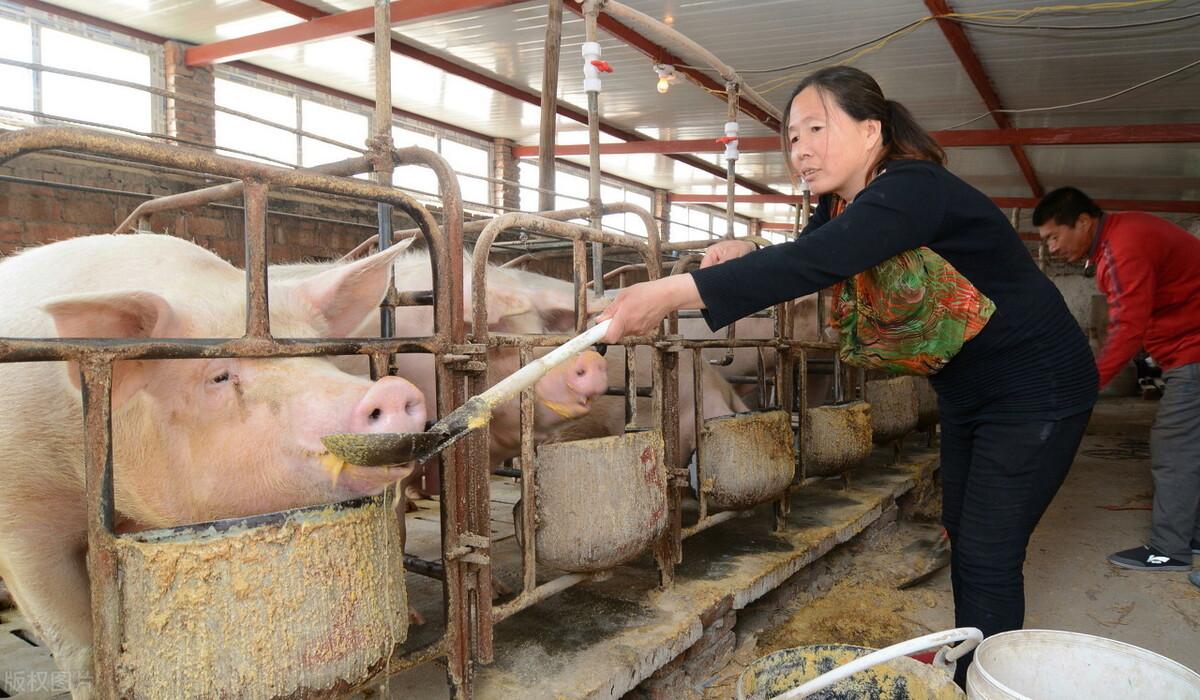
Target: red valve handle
point(602, 66)
point(724, 140)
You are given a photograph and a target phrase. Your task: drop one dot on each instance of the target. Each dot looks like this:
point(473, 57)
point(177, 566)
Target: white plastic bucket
point(1037, 664)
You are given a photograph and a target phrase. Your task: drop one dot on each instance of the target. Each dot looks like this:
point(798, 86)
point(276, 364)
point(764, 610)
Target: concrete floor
point(1068, 583)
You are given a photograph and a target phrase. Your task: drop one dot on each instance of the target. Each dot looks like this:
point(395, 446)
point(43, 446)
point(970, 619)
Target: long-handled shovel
point(380, 449)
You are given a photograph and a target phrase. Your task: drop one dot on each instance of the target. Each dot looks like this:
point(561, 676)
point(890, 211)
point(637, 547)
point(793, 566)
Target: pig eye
point(221, 378)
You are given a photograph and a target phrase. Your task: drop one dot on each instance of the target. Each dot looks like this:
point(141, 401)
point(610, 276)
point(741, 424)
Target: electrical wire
point(1006, 17)
point(1080, 103)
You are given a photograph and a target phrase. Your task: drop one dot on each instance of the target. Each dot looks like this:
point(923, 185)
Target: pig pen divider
point(664, 412)
point(95, 358)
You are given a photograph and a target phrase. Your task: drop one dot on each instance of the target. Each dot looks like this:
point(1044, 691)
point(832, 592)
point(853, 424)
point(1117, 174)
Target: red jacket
point(1149, 269)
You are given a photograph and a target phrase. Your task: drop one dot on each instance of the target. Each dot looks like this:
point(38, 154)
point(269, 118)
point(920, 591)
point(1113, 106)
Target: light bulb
point(664, 85)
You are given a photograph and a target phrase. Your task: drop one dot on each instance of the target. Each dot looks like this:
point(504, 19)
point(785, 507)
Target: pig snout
point(391, 405)
point(588, 375)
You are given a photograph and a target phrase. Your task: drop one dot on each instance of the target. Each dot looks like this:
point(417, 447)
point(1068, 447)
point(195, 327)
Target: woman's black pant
point(997, 480)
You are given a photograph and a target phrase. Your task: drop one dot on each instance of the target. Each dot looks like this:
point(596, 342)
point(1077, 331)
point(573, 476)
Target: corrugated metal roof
point(1028, 67)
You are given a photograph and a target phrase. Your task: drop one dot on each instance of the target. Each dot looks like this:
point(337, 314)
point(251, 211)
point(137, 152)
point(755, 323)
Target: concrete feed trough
point(747, 458)
point(600, 502)
point(835, 438)
point(927, 403)
point(893, 407)
point(307, 602)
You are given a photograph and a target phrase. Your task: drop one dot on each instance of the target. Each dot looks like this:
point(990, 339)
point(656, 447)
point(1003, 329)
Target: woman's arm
point(900, 210)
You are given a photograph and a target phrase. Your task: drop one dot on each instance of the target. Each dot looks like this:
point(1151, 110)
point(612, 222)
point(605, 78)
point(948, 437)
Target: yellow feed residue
point(334, 465)
point(312, 603)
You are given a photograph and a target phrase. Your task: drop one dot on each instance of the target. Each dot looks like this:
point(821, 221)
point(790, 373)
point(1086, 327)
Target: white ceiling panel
point(1029, 67)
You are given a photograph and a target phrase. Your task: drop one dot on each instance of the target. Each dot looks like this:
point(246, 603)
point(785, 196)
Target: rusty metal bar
point(591, 12)
point(731, 114)
point(528, 485)
point(63, 349)
point(258, 320)
point(698, 418)
point(549, 115)
point(218, 193)
point(705, 523)
point(537, 595)
point(96, 386)
point(631, 388)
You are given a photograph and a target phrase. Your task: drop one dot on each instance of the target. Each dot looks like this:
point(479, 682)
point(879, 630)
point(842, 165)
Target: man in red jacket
point(1149, 270)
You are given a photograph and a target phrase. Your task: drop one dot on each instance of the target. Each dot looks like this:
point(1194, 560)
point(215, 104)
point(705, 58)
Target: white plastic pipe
point(969, 636)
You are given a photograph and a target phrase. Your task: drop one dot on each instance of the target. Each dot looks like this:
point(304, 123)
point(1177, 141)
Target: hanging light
point(666, 74)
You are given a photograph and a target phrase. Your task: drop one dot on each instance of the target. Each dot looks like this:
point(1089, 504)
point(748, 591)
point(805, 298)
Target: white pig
point(193, 440)
point(525, 303)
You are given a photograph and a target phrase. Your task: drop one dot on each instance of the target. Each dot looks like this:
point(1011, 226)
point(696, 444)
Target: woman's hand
point(718, 253)
point(638, 310)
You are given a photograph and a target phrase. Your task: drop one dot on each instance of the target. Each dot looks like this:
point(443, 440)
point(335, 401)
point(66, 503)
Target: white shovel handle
point(969, 636)
point(512, 385)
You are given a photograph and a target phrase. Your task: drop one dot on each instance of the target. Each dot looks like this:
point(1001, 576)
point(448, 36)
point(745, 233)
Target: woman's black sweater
point(1030, 362)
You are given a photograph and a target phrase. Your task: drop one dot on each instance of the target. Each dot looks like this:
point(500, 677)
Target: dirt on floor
point(864, 607)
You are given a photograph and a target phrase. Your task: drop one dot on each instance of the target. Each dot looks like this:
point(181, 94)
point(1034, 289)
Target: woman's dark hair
point(1064, 205)
point(859, 95)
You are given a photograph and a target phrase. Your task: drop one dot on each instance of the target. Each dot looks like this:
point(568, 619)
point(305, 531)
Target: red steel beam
point(659, 54)
point(1045, 136)
point(308, 12)
point(1167, 206)
point(975, 71)
point(1174, 206)
point(330, 26)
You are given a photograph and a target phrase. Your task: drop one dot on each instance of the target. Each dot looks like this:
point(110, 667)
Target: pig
point(525, 303)
point(193, 440)
point(745, 360)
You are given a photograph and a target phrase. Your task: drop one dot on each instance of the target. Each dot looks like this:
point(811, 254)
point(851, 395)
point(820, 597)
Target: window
point(251, 137)
point(571, 188)
point(330, 122)
point(690, 223)
point(468, 160)
point(417, 178)
point(90, 100)
point(43, 42)
point(16, 43)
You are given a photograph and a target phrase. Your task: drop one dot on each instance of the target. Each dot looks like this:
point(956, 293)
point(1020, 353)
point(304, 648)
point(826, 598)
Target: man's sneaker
point(1147, 558)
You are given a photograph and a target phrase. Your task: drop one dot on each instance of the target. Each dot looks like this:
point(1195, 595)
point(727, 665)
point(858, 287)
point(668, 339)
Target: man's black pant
point(997, 480)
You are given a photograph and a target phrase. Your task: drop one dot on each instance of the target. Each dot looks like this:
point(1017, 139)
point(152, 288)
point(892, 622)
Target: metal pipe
point(528, 486)
point(96, 386)
point(537, 595)
point(677, 43)
point(549, 116)
point(229, 190)
point(380, 148)
point(702, 525)
point(591, 11)
point(258, 319)
point(60, 349)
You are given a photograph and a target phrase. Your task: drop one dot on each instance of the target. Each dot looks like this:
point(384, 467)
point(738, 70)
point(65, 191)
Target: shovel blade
point(382, 449)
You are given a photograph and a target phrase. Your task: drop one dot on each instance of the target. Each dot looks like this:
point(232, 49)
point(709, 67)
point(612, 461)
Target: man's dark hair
point(1064, 205)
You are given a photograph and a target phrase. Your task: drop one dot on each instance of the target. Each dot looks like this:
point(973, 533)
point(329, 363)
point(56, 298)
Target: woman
point(1014, 401)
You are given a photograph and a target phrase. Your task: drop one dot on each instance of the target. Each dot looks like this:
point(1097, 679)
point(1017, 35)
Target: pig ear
point(114, 315)
point(343, 295)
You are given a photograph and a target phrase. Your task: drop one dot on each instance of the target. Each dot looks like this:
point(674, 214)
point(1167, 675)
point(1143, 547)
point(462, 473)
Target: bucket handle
point(946, 656)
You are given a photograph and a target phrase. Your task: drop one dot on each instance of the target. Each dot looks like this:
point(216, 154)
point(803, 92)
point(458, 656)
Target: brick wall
point(299, 227)
point(60, 197)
